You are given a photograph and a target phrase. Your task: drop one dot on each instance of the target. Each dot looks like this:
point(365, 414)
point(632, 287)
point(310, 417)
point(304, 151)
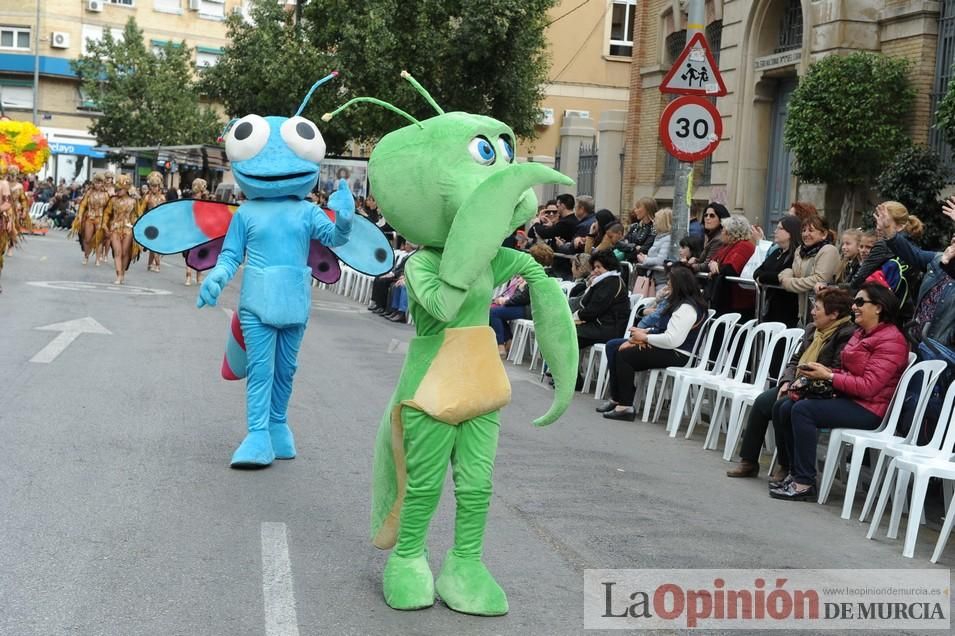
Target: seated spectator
point(641, 233)
point(872, 363)
point(660, 250)
point(667, 343)
point(398, 302)
point(543, 254)
point(724, 295)
point(580, 267)
point(823, 342)
point(712, 231)
point(605, 306)
point(816, 261)
point(513, 304)
point(381, 286)
point(780, 305)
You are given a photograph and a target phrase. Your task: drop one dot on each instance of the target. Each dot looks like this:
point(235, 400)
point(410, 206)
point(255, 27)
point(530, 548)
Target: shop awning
point(64, 148)
point(192, 156)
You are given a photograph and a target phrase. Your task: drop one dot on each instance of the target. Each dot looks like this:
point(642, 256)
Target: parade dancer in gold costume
point(21, 202)
point(153, 197)
point(90, 217)
point(7, 232)
point(118, 219)
point(200, 190)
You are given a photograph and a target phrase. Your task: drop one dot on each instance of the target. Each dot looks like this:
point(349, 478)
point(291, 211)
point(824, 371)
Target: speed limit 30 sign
point(690, 128)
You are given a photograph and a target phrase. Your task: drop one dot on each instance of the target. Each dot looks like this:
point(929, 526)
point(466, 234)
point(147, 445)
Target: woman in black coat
point(780, 305)
point(605, 306)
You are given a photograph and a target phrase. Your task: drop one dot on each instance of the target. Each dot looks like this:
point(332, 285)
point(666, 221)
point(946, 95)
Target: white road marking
point(69, 331)
point(228, 312)
point(75, 285)
point(280, 618)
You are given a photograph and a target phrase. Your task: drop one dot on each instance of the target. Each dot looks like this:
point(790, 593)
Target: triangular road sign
point(695, 72)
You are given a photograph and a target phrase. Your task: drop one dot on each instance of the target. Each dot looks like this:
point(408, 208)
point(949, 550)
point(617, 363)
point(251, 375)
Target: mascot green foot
point(283, 442)
point(466, 586)
point(255, 451)
point(408, 582)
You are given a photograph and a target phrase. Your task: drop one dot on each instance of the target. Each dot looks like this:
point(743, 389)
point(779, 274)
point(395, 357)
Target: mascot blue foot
point(255, 451)
point(283, 442)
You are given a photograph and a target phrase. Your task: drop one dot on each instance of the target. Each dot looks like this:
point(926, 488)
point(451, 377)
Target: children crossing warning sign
point(695, 72)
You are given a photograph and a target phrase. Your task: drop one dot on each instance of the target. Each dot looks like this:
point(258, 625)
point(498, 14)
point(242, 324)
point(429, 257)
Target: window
point(206, 57)
point(621, 27)
point(790, 27)
point(943, 76)
point(16, 93)
point(94, 33)
point(84, 101)
point(122, 3)
point(15, 38)
point(159, 46)
point(168, 6)
point(212, 9)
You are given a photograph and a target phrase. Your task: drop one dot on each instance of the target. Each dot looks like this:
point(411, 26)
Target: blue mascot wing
point(367, 250)
point(177, 226)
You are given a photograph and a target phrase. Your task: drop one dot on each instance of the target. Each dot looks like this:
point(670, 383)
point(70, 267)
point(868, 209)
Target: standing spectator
point(598, 230)
point(815, 262)
point(690, 248)
point(730, 260)
point(640, 234)
point(872, 364)
point(547, 215)
point(562, 230)
point(584, 212)
point(780, 305)
point(658, 252)
point(850, 243)
point(712, 231)
point(803, 210)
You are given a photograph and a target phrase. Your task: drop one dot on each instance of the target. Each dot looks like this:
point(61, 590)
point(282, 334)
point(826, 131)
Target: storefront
point(73, 157)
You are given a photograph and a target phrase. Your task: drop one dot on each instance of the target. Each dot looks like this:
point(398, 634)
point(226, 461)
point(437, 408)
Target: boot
point(745, 468)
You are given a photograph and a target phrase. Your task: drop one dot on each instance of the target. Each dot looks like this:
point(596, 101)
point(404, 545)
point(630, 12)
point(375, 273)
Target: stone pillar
point(574, 132)
point(543, 191)
point(608, 181)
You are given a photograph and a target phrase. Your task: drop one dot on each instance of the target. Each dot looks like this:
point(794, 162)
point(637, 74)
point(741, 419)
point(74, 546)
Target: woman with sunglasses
point(712, 236)
point(872, 362)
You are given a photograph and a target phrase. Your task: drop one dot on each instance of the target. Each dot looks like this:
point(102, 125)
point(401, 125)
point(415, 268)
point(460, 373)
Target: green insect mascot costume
point(450, 185)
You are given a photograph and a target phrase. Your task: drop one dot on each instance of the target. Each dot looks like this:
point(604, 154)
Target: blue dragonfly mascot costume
point(284, 241)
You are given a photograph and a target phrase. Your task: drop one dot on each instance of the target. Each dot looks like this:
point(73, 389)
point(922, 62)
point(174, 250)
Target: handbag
point(805, 389)
point(645, 286)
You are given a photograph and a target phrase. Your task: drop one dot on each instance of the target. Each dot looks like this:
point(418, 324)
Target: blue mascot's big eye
point(507, 148)
point(482, 151)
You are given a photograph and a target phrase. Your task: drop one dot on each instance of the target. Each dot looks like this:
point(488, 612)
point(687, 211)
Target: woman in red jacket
point(873, 361)
point(738, 248)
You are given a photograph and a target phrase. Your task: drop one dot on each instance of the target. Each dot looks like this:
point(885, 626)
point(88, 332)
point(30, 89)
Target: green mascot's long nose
point(480, 225)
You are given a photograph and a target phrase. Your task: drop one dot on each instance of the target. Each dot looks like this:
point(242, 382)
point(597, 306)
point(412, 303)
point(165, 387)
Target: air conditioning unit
point(195, 5)
point(546, 117)
point(95, 6)
point(577, 113)
point(60, 40)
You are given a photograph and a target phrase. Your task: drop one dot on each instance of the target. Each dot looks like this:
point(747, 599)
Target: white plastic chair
point(680, 391)
point(745, 341)
point(598, 352)
point(567, 286)
point(523, 332)
point(933, 460)
point(877, 439)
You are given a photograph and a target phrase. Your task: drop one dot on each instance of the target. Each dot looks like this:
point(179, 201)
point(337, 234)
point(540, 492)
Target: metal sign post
point(681, 210)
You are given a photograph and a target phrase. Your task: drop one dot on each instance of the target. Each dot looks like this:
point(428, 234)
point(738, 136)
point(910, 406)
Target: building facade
point(762, 48)
point(40, 37)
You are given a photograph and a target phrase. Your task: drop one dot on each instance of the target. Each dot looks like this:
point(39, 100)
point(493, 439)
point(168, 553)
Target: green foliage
point(945, 115)
point(845, 120)
point(480, 56)
point(146, 99)
point(268, 67)
point(914, 178)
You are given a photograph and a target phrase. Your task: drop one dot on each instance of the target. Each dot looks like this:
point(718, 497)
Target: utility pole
point(681, 211)
point(36, 66)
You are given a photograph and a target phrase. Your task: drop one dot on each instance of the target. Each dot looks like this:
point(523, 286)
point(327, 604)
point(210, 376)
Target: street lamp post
point(36, 66)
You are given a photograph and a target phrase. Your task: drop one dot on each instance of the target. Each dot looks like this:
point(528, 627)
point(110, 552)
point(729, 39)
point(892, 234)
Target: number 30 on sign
point(690, 128)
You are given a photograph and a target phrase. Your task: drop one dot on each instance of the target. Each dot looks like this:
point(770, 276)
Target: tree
point(480, 56)
point(268, 67)
point(146, 98)
point(945, 115)
point(846, 122)
point(914, 178)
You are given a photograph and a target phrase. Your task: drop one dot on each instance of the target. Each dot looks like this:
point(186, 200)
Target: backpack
point(893, 274)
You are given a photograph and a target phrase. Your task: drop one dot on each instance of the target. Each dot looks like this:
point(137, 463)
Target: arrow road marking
point(69, 331)
point(280, 618)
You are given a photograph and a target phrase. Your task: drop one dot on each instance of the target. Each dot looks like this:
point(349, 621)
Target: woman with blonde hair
point(641, 233)
point(662, 225)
